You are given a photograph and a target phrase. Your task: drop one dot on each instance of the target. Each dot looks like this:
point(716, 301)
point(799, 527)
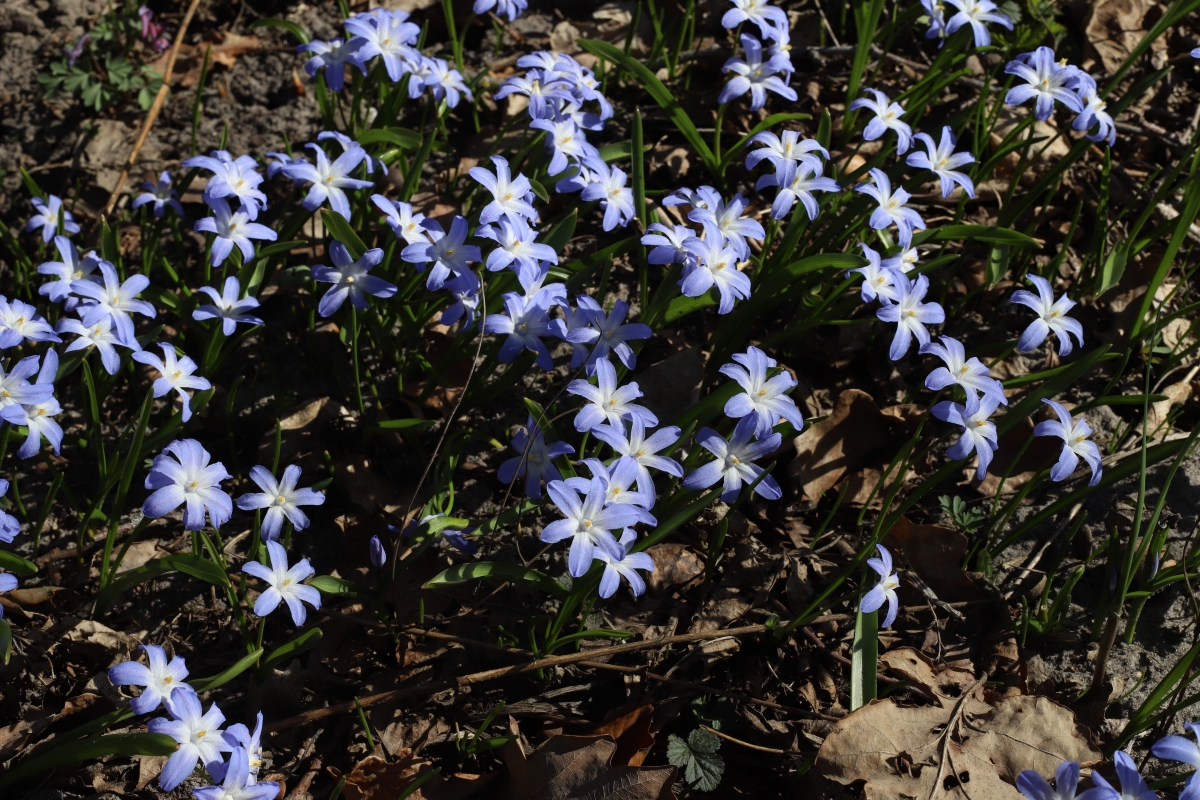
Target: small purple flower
point(910, 314)
point(667, 243)
point(174, 374)
point(281, 499)
point(445, 82)
point(158, 680)
point(198, 734)
point(565, 141)
point(188, 480)
point(589, 523)
point(238, 735)
point(608, 402)
point(516, 244)
point(716, 265)
point(1066, 781)
point(388, 35)
point(350, 279)
point(769, 19)
point(9, 528)
point(1133, 785)
point(887, 115)
point(943, 162)
point(511, 9)
point(625, 567)
point(286, 584)
point(1074, 433)
point(978, 434)
point(618, 480)
point(608, 186)
point(1052, 317)
point(238, 783)
point(19, 321)
point(728, 220)
point(1094, 112)
point(612, 334)
point(378, 553)
point(100, 336)
point(975, 13)
point(448, 252)
point(330, 179)
point(113, 299)
point(161, 194)
point(641, 451)
point(878, 280)
point(332, 56)
point(937, 20)
point(227, 307)
point(46, 217)
point(756, 76)
point(73, 53)
point(734, 464)
point(231, 228)
point(404, 223)
point(526, 322)
point(1046, 81)
point(15, 388)
point(540, 87)
point(884, 590)
point(71, 268)
point(232, 177)
point(763, 399)
point(969, 373)
point(1183, 750)
point(892, 208)
point(790, 147)
point(464, 289)
point(797, 180)
point(38, 417)
point(537, 464)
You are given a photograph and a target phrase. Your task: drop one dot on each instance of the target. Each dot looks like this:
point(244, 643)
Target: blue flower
point(280, 498)
point(188, 480)
point(937, 21)
point(734, 464)
point(71, 268)
point(46, 217)
point(329, 179)
point(285, 584)
point(1094, 112)
point(386, 34)
point(975, 13)
point(608, 186)
point(667, 243)
point(175, 374)
point(378, 553)
point(1074, 433)
point(199, 736)
point(790, 147)
point(100, 336)
point(160, 194)
point(978, 434)
point(971, 374)
point(444, 82)
point(943, 161)
point(1133, 785)
point(400, 218)
point(350, 279)
point(39, 417)
point(503, 8)
point(526, 322)
point(239, 735)
point(763, 399)
point(566, 142)
point(887, 115)
point(20, 321)
point(618, 478)
point(332, 56)
point(1185, 751)
point(539, 87)
point(16, 390)
point(227, 307)
point(640, 451)
point(624, 567)
point(769, 19)
point(158, 680)
point(113, 299)
point(237, 782)
point(464, 289)
point(884, 590)
point(756, 76)
point(878, 280)
point(510, 197)
point(1066, 780)
point(230, 228)
point(9, 528)
point(728, 220)
point(589, 523)
point(516, 245)
point(910, 314)
point(892, 209)
point(608, 402)
point(537, 464)
point(1052, 316)
point(716, 265)
point(612, 335)
point(797, 180)
point(1046, 81)
point(232, 177)
point(448, 252)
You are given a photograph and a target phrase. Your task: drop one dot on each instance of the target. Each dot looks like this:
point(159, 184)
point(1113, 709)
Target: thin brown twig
point(772, 750)
point(155, 108)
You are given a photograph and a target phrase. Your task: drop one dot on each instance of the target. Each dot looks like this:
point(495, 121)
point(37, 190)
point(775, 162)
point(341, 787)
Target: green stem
point(354, 350)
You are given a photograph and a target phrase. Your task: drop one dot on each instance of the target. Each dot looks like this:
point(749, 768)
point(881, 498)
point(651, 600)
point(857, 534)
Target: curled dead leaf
point(578, 767)
point(840, 443)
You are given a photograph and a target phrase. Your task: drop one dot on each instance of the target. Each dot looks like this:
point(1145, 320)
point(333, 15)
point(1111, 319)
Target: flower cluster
point(390, 36)
point(767, 66)
point(1048, 81)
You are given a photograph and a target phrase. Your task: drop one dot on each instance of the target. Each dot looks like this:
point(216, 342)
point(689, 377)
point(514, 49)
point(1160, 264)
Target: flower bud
point(378, 554)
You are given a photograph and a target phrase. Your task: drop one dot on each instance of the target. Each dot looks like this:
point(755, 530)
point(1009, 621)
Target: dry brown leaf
point(578, 767)
point(226, 50)
point(960, 748)
point(839, 443)
point(630, 726)
point(1114, 28)
point(375, 778)
point(1177, 394)
point(674, 565)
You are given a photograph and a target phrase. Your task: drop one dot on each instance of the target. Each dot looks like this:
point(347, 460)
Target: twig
point(430, 689)
point(155, 108)
point(772, 750)
point(948, 734)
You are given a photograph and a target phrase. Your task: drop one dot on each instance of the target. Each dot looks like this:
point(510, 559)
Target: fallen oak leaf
point(578, 767)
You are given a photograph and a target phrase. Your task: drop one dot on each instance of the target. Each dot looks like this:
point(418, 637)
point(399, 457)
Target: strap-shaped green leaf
point(290, 27)
point(493, 570)
point(661, 94)
point(117, 744)
point(11, 562)
point(337, 225)
point(222, 678)
point(295, 647)
point(186, 563)
point(401, 137)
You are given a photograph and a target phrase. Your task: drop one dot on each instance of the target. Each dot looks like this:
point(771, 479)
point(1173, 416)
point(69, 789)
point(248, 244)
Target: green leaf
point(124, 744)
point(697, 757)
point(539, 191)
point(493, 570)
point(5, 641)
point(327, 584)
point(997, 264)
point(222, 678)
point(186, 563)
point(682, 306)
point(11, 562)
point(340, 229)
point(290, 27)
point(295, 647)
point(403, 424)
point(864, 659)
point(661, 94)
point(279, 247)
point(562, 231)
point(621, 150)
point(1111, 272)
point(980, 233)
point(32, 185)
point(110, 249)
point(401, 137)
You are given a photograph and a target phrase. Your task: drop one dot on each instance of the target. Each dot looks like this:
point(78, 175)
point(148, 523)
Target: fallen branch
point(155, 108)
